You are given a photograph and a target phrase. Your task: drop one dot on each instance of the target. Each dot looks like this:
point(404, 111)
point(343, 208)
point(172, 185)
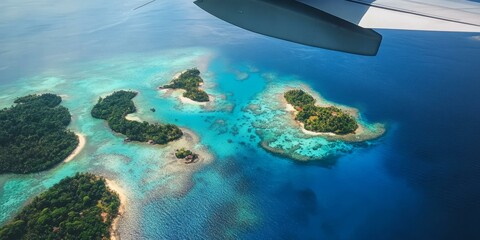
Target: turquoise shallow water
point(155, 198)
point(415, 182)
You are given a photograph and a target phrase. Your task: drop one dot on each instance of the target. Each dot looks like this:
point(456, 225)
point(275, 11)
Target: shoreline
point(113, 186)
point(178, 93)
point(185, 100)
point(133, 117)
point(81, 144)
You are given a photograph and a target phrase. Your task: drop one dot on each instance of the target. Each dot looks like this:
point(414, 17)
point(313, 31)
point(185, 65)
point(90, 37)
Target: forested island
point(186, 154)
point(116, 106)
point(33, 134)
point(189, 80)
point(320, 119)
point(79, 207)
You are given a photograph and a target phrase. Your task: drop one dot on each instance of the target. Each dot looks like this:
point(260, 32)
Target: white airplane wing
point(344, 25)
point(427, 15)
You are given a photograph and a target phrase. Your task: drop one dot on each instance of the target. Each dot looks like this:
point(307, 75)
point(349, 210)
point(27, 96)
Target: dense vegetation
point(79, 207)
point(115, 107)
point(190, 81)
point(186, 154)
point(299, 98)
point(320, 119)
point(33, 134)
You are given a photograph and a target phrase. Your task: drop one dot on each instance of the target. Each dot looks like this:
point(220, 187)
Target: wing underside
point(296, 22)
point(344, 25)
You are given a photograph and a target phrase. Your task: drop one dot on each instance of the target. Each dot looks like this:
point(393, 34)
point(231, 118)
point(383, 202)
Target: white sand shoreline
point(185, 100)
point(178, 93)
point(81, 144)
point(112, 185)
point(132, 117)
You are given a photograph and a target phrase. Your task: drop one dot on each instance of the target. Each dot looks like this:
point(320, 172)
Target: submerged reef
point(116, 106)
point(189, 80)
point(79, 207)
point(33, 134)
point(273, 119)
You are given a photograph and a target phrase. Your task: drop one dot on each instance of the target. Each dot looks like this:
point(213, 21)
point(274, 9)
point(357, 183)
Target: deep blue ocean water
point(421, 180)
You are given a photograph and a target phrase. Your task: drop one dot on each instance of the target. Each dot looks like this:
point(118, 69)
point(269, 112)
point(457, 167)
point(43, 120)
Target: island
point(186, 154)
point(319, 119)
point(33, 134)
point(116, 106)
point(189, 80)
point(291, 120)
point(78, 207)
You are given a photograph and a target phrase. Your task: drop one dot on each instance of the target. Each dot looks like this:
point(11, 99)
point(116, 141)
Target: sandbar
point(81, 144)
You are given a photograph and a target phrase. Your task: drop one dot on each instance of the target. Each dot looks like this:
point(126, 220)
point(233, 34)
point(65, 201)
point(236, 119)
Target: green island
point(320, 119)
point(116, 106)
point(33, 134)
point(78, 207)
point(189, 80)
point(186, 154)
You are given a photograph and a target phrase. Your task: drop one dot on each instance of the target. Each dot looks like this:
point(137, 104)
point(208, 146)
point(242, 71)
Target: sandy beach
point(132, 117)
point(121, 210)
point(178, 93)
point(81, 144)
point(64, 96)
point(185, 100)
point(289, 108)
point(177, 75)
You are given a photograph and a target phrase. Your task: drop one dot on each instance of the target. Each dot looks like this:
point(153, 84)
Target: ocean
point(420, 180)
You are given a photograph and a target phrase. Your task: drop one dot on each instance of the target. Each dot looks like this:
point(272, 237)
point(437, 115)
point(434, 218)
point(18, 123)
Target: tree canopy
point(299, 98)
point(116, 106)
point(320, 119)
point(33, 134)
point(190, 81)
point(183, 153)
point(79, 207)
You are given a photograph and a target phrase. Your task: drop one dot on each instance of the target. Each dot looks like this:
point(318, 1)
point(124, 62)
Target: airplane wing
point(344, 25)
point(427, 15)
